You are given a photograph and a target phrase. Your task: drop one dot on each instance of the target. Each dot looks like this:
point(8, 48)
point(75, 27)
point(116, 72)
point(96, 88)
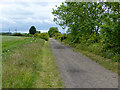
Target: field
point(28, 63)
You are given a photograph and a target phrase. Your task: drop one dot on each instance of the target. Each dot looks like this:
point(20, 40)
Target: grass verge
point(49, 76)
point(29, 63)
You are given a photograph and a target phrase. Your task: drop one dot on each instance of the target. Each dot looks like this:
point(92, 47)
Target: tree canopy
point(52, 31)
point(90, 18)
point(32, 30)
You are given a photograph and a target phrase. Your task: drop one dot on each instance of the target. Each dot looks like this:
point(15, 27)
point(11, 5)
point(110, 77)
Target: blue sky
point(22, 14)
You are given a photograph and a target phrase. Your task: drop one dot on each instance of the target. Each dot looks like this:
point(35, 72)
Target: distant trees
point(52, 31)
point(32, 30)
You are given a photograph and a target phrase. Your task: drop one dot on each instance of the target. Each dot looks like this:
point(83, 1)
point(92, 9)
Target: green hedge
point(60, 37)
point(44, 36)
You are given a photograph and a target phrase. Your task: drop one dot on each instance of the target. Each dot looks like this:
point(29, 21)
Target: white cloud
point(24, 13)
point(30, 1)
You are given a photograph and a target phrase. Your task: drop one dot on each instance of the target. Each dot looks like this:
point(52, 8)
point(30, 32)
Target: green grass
point(10, 42)
point(28, 63)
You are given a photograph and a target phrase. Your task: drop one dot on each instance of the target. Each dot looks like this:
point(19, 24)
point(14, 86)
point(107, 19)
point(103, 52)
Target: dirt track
point(78, 71)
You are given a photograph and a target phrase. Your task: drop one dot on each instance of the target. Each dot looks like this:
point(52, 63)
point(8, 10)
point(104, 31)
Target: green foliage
point(27, 35)
point(57, 35)
point(17, 34)
point(42, 36)
point(91, 25)
point(36, 35)
point(60, 37)
point(93, 38)
point(96, 48)
point(86, 21)
point(32, 30)
point(52, 31)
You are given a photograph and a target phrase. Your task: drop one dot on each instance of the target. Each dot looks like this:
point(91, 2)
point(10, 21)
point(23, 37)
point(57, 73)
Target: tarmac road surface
point(78, 71)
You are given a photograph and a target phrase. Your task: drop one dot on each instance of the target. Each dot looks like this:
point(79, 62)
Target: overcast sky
point(22, 14)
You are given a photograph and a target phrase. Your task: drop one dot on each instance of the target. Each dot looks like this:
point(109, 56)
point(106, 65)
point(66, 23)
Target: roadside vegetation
point(28, 62)
point(94, 29)
point(52, 31)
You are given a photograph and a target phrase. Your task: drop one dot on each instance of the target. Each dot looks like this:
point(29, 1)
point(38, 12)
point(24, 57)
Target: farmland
point(28, 63)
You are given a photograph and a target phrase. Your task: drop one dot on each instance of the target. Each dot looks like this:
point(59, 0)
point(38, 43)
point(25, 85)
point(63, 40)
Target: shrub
point(36, 35)
point(52, 31)
point(57, 35)
point(96, 48)
point(81, 46)
point(60, 37)
point(44, 36)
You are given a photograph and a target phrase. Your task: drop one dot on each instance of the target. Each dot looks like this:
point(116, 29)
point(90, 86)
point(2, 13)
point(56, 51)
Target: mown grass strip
point(49, 76)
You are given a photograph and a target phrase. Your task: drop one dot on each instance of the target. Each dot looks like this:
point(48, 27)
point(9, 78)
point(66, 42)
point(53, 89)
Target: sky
point(22, 14)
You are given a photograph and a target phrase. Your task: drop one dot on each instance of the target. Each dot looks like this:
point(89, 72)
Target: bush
point(96, 48)
point(57, 35)
point(60, 37)
point(52, 31)
point(36, 35)
point(44, 36)
point(81, 46)
point(17, 34)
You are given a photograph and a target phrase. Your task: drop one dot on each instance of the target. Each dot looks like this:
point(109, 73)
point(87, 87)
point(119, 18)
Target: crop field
point(28, 63)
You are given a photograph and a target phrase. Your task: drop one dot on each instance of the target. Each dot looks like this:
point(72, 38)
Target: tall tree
point(32, 30)
point(110, 32)
point(81, 18)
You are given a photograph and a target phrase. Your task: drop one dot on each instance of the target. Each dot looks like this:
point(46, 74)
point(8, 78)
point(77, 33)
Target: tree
point(80, 18)
point(84, 19)
point(52, 31)
point(110, 28)
point(32, 30)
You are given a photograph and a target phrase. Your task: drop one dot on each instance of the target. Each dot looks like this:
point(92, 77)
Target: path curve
point(78, 71)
